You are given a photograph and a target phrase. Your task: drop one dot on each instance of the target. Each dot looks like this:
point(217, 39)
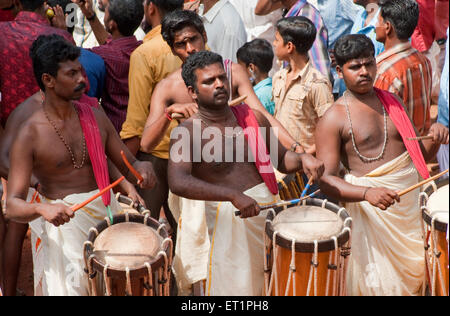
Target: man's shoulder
point(316, 77)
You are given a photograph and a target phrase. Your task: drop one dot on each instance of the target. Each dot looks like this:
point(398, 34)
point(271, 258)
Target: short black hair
point(31, 5)
point(402, 14)
point(299, 30)
point(176, 21)
point(167, 6)
point(127, 14)
point(196, 61)
point(353, 46)
point(258, 52)
point(47, 51)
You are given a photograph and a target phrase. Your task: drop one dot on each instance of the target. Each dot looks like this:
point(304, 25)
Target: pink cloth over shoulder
point(404, 126)
point(94, 143)
point(247, 120)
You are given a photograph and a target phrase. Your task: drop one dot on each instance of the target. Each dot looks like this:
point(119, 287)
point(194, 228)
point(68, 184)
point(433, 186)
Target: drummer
point(53, 147)
point(367, 130)
point(236, 257)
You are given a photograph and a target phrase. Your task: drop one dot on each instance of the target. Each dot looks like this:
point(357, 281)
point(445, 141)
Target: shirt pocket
point(296, 100)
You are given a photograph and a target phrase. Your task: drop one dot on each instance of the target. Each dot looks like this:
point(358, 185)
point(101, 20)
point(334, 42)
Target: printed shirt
point(318, 54)
point(149, 64)
point(299, 106)
point(17, 81)
point(116, 54)
point(405, 72)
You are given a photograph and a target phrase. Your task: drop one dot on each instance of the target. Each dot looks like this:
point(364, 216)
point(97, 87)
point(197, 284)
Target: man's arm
point(244, 87)
point(328, 141)
point(21, 160)
point(264, 7)
point(183, 183)
point(97, 27)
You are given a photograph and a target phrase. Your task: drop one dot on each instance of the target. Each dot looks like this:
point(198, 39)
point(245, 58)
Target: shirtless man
point(234, 185)
point(15, 232)
point(380, 162)
point(51, 145)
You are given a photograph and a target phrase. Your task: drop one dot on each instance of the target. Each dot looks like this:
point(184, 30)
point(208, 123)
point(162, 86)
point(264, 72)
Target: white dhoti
point(58, 251)
point(387, 246)
point(216, 245)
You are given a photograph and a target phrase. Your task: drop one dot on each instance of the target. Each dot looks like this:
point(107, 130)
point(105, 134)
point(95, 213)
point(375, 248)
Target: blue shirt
point(338, 16)
point(369, 30)
point(443, 94)
point(95, 69)
point(263, 91)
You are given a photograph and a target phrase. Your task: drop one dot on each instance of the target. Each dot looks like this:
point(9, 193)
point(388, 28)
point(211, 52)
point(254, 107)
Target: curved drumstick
point(133, 171)
point(415, 186)
point(284, 203)
point(76, 207)
point(234, 102)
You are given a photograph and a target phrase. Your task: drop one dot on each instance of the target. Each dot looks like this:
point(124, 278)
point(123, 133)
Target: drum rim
point(429, 189)
point(121, 273)
point(128, 201)
point(308, 247)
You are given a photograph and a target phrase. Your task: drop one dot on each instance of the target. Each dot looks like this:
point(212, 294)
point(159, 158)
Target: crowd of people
point(340, 85)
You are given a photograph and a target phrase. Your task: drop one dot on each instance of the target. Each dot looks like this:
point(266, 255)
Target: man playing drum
point(218, 166)
point(64, 145)
point(367, 130)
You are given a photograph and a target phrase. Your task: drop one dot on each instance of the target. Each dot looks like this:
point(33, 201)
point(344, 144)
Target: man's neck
point(116, 35)
point(297, 63)
point(208, 4)
point(215, 115)
point(260, 77)
point(61, 108)
point(392, 42)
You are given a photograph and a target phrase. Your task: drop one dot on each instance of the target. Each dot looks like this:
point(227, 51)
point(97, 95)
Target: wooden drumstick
point(76, 207)
point(133, 171)
point(305, 190)
point(418, 185)
point(284, 203)
point(234, 102)
point(421, 137)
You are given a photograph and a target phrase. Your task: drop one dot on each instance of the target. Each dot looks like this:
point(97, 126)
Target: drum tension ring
point(332, 267)
point(147, 286)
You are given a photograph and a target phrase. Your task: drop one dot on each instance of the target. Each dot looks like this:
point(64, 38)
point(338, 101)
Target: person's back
point(17, 81)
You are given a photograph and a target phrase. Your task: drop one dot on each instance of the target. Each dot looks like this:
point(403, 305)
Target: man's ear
point(48, 80)
point(290, 47)
point(389, 28)
point(112, 25)
point(192, 93)
point(339, 71)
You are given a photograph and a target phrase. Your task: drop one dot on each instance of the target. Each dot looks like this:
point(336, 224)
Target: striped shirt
point(319, 52)
point(407, 73)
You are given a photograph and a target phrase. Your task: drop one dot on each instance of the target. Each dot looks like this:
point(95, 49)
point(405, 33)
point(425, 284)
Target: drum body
point(306, 250)
point(129, 206)
point(434, 203)
point(132, 256)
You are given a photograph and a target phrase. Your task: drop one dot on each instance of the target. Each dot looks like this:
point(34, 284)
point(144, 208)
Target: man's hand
point(132, 193)
point(56, 214)
point(86, 7)
point(185, 109)
point(59, 19)
point(246, 205)
point(312, 167)
point(145, 169)
point(439, 133)
point(381, 197)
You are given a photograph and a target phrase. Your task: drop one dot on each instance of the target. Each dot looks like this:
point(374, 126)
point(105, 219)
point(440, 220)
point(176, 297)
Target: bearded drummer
point(64, 144)
point(234, 258)
point(367, 130)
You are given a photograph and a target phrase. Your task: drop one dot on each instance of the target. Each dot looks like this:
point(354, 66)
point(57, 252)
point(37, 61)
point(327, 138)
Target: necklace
point(223, 135)
point(75, 166)
point(364, 158)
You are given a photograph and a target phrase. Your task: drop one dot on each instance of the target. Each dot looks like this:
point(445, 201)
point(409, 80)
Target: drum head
point(307, 223)
point(438, 204)
point(127, 244)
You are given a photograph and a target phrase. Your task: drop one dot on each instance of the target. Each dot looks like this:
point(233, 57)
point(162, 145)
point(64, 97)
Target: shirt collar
point(394, 50)
point(153, 33)
point(263, 83)
point(302, 73)
point(27, 16)
point(212, 13)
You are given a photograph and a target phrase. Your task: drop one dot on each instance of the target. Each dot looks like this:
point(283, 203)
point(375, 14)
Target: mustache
point(220, 91)
point(80, 87)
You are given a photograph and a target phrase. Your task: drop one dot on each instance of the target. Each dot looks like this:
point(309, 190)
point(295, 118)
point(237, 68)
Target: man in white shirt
point(224, 27)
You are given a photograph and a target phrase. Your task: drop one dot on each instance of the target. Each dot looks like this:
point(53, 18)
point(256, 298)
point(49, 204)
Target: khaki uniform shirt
point(299, 106)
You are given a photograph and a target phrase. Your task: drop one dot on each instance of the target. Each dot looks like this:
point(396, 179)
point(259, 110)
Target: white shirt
point(225, 29)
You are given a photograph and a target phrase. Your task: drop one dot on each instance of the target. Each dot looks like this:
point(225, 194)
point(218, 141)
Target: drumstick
point(133, 171)
point(305, 190)
point(411, 188)
point(109, 187)
point(234, 102)
point(421, 137)
point(283, 203)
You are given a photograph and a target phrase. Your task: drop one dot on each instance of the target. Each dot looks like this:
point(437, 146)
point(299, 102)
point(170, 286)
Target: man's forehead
point(360, 61)
point(212, 70)
point(186, 32)
point(69, 64)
